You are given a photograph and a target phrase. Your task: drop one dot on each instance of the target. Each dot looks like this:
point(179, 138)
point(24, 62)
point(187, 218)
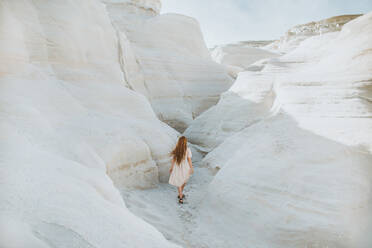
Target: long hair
point(179, 152)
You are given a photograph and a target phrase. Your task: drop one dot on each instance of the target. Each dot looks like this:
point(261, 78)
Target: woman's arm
point(171, 168)
point(190, 163)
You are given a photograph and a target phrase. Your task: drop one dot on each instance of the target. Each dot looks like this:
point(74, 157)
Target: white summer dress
point(181, 172)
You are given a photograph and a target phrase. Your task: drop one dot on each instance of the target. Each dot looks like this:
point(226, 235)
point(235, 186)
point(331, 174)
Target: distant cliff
point(298, 33)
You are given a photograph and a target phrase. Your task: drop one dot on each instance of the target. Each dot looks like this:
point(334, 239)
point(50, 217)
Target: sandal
point(183, 196)
point(180, 201)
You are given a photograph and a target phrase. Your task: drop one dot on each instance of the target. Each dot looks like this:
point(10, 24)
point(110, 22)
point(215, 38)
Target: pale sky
point(228, 21)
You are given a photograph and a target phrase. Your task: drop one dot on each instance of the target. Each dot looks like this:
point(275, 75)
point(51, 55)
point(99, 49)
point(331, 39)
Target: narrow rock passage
point(160, 208)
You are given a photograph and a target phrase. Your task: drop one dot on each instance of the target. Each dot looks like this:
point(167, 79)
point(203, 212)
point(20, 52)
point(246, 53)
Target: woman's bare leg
point(180, 189)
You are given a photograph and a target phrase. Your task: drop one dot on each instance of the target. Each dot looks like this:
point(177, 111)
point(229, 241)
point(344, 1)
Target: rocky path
point(160, 208)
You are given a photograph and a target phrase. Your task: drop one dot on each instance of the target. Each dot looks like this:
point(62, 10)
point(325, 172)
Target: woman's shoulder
point(189, 153)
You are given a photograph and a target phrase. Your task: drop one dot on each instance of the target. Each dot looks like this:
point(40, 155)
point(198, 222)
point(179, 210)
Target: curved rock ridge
point(298, 33)
point(291, 148)
point(178, 75)
point(290, 187)
point(67, 121)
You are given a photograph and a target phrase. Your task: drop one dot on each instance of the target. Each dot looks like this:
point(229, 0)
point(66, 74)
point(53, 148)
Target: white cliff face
point(68, 121)
point(178, 75)
point(291, 145)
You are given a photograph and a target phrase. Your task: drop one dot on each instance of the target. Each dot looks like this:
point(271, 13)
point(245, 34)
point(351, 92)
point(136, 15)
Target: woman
point(181, 168)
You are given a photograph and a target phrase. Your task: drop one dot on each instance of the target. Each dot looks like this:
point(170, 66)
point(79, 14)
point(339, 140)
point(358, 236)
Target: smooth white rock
point(179, 77)
point(294, 162)
point(283, 186)
point(240, 55)
point(68, 121)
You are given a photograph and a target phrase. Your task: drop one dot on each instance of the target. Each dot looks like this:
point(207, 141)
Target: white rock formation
point(67, 117)
point(290, 142)
point(299, 33)
point(292, 148)
point(283, 186)
point(178, 75)
point(243, 105)
point(239, 57)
